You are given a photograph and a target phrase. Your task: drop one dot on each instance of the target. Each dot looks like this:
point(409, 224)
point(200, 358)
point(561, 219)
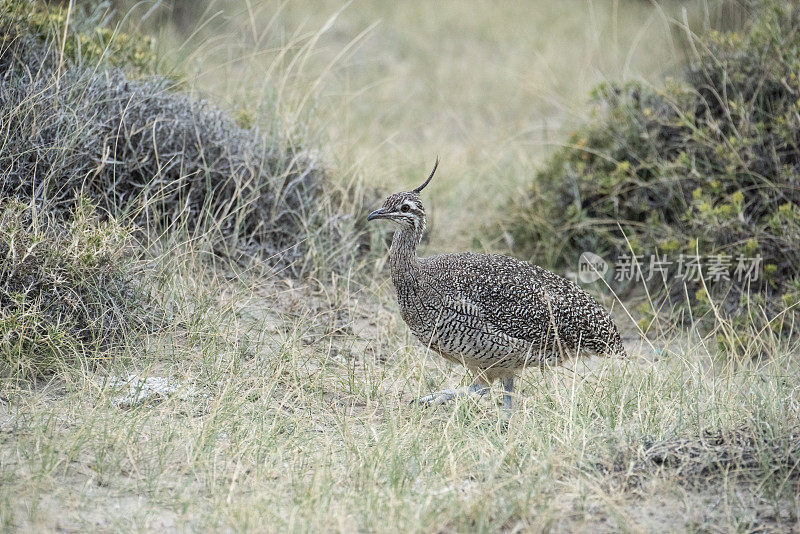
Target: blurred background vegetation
point(641, 97)
point(381, 89)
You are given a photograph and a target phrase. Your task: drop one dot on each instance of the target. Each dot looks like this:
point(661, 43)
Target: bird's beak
point(377, 214)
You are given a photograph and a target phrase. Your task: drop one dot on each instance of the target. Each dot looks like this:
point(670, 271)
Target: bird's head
point(405, 208)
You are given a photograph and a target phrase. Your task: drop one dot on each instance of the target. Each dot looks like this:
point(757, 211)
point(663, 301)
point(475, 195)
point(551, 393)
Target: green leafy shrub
point(706, 166)
point(69, 293)
point(86, 41)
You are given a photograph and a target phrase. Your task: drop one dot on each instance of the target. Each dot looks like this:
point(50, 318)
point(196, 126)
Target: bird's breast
point(418, 305)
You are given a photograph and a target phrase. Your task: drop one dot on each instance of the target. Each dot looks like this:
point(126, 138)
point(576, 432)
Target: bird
point(492, 313)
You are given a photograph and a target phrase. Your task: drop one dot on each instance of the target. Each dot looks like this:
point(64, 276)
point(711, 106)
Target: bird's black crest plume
point(420, 188)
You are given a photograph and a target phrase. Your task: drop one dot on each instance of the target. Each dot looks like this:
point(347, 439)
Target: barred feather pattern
point(492, 313)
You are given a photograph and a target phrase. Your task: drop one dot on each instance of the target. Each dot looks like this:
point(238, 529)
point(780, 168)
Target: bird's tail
point(617, 349)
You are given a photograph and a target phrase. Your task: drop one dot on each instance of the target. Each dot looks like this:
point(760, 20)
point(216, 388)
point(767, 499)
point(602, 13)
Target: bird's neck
point(403, 254)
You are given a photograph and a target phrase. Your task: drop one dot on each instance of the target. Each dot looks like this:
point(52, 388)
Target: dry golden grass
point(293, 413)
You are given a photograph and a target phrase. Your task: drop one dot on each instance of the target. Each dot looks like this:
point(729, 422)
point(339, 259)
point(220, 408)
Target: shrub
point(93, 147)
point(68, 289)
point(87, 40)
point(139, 149)
point(708, 166)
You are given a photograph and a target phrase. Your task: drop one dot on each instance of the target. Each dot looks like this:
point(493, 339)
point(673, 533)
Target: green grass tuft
point(69, 291)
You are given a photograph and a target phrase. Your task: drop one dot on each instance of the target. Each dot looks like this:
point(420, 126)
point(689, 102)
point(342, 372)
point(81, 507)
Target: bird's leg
point(478, 387)
point(508, 391)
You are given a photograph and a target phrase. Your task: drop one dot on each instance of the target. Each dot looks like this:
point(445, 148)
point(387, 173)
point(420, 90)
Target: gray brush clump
point(88, 151)
point(169, 161)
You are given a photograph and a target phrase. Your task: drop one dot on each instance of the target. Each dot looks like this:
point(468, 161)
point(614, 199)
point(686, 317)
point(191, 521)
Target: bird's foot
point(477, 389)
point(440, 397)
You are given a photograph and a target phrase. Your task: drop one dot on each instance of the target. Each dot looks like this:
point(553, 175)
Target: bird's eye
point(405, 208)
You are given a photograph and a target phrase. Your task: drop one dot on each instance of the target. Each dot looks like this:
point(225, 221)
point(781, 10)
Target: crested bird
point(492, 313)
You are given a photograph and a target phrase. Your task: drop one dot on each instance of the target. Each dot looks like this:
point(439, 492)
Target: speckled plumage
point(492, 313)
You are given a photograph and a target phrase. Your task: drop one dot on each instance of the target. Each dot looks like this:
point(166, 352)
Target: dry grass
point(385, 88)
point(286, 400)
point(293, 415)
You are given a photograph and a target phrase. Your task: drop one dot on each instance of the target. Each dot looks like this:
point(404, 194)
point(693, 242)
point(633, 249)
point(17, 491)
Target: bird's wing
point(507, 295)
point(522, 301)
